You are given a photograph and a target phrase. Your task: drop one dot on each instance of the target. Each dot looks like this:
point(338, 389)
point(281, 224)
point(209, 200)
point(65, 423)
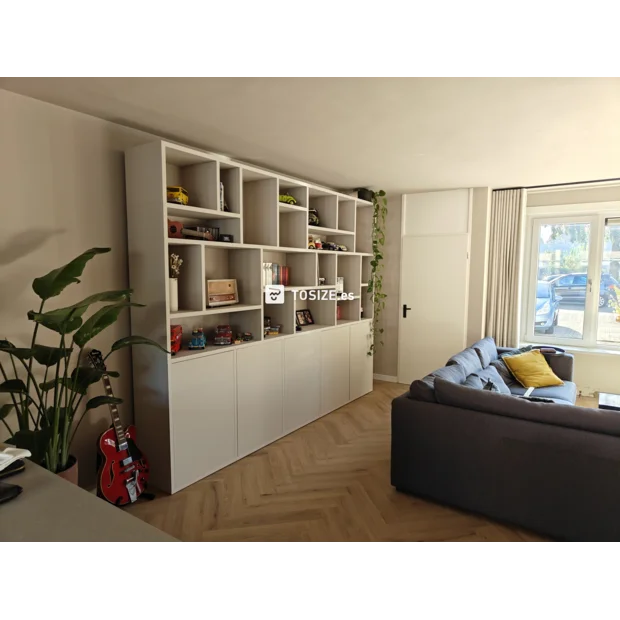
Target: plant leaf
point(57, 280)
point(60, 327)
point(21, 353)
point(14, 386)
point(49, 356)
point(5, 410)
point(64, 320)
point(36, 441)
point(100, 320)
point(98, 401)
point(130, 341)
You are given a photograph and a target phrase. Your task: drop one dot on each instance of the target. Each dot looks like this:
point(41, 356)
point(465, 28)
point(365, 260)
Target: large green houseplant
point(46, 410)
point(375, 286)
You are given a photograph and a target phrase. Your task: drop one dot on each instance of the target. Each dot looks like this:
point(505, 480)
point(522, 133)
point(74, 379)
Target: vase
point(173, 294)
point(70, 474)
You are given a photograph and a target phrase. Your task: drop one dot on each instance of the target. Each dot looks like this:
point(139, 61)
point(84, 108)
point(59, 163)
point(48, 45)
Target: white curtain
point(504, 271)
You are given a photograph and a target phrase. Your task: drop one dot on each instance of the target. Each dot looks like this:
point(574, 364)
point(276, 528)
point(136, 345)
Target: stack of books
point(275, 274)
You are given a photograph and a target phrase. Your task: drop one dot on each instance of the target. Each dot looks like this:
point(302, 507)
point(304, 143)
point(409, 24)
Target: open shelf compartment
point(346, 214)
point(302, 266)
point(242, 265)
point(260, 209)
point(190, 281)
point(240, 322)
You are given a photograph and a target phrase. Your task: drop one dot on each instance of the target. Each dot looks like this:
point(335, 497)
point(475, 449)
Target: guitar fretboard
point(116, 419)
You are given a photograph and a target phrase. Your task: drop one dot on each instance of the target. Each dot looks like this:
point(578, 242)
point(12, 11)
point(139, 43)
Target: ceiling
point(399, 134)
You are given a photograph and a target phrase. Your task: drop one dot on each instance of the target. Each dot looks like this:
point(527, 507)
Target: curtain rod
point(501, 189)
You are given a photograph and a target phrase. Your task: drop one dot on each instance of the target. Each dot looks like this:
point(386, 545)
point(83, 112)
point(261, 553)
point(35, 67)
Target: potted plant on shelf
point(46, 410)
point(173, 285)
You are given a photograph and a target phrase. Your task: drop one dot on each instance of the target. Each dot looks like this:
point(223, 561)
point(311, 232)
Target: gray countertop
point(52, 509)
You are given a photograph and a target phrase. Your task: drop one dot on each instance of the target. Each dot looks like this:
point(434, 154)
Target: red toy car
point(223, 335)
point(176, 335)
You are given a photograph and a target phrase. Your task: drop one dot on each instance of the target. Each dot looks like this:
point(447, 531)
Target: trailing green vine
point(375, 286)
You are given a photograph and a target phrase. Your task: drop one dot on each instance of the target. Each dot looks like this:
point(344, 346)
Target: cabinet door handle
point(405, 308)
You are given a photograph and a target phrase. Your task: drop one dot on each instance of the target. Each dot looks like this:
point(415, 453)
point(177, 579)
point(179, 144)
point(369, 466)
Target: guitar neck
point(116, 418)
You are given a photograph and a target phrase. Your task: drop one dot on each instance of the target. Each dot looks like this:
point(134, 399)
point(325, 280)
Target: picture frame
point(301, 317)
point(308, 316)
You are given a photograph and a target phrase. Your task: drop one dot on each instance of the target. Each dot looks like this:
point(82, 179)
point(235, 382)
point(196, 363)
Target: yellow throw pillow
point(532, 370)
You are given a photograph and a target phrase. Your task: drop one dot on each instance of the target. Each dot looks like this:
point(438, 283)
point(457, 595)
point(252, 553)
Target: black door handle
point(405, 308)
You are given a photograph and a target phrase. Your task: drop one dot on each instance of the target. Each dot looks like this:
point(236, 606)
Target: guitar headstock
point(96, 359)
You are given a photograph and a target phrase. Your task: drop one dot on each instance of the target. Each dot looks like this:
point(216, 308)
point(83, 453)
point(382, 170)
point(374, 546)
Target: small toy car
point(223, 335)
point(198, 340)
point(176, 335)
point(177, 194)
point(288, 199)
point(245, 336)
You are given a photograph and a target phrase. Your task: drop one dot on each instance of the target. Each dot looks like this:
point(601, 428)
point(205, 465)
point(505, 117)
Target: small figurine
point(198, 340)
point(311, 245)
point(287, 199)
point(313, 217)
point(176, 335)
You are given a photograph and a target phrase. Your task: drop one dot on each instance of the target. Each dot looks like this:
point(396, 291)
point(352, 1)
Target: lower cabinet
point(360, 367)
point(225, 406)
point(203, 421)
point(302, 380)
point(259, 395)
point(334, 368)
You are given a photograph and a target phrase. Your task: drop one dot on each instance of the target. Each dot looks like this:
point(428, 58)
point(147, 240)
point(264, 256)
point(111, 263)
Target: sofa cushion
point(504, 373)
point(424, 389)
point(531, 369)
point(468, 359)
point(473, 381)
point(568, 416)
point(490, 374)
point(486, 350)
point(566, 392)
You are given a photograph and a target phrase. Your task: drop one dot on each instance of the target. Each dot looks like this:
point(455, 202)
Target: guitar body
point(120, 467)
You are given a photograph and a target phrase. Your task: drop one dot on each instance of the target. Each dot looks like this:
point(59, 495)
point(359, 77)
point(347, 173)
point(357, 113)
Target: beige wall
point(594, 372)
point(62, 180)
point(386, 356)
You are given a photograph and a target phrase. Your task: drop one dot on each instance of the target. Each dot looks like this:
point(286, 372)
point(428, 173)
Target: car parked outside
point(572, 288)
point(547, 308)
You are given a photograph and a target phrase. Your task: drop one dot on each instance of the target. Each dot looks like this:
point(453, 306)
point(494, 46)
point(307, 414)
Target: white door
point(334, 368)
point(202, 413)
point(361, 363)
point(302, 380)
point(434, 281)
point(259, 395)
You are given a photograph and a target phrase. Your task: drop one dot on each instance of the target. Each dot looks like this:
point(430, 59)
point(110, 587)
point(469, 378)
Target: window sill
point(574, 349)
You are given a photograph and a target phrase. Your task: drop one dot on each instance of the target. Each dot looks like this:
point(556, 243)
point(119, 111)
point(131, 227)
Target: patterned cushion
point(491, 374)
point(504, 373)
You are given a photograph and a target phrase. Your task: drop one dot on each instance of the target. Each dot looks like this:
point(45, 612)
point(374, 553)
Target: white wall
point(63, 191)
point(594, 372)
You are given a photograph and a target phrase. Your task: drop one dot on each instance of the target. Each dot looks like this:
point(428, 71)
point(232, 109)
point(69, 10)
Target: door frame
point(403, 204)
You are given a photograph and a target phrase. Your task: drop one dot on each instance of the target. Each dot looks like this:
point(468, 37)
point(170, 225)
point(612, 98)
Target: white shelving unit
point(233, 400)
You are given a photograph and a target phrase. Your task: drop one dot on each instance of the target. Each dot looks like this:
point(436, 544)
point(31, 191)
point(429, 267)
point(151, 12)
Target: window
point(572, 281)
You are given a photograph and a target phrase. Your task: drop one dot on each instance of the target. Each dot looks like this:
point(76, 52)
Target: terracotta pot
point(71, 473)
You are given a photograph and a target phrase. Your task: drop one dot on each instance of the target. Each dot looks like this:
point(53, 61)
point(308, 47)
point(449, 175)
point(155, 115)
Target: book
point(10, 455)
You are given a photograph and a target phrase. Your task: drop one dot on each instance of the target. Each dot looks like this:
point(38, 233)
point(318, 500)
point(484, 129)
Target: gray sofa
point(550, 467)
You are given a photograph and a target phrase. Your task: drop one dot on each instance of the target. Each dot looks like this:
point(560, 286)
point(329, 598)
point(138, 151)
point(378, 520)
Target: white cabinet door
point(334, 368)
point(360, 361)
point(259, 395)
point(202, 413)
point(302, 380)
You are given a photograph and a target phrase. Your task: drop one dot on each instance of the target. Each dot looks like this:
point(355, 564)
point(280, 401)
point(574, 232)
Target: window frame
point(595, 215)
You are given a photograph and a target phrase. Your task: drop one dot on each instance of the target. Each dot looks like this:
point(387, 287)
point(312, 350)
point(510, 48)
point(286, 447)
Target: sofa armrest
point(562, 364)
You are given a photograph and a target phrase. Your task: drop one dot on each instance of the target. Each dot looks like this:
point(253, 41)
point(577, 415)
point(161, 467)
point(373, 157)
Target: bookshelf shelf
point(193, 409)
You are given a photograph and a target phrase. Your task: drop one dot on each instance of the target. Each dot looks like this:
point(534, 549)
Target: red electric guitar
point(124, 470)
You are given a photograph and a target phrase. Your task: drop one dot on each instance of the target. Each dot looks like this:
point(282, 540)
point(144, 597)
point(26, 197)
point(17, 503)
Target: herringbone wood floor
point(329, 481)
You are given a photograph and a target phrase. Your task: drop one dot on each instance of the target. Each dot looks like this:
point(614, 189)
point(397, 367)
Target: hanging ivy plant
point(375, 286)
